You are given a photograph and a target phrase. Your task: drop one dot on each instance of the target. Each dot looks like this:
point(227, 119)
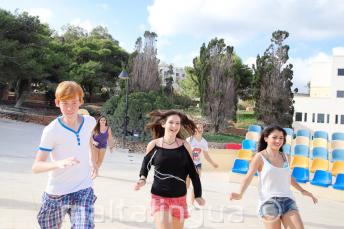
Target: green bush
point(139, 104)
point(182, 101)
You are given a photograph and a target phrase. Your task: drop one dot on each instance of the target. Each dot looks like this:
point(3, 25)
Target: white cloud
point(85, 24)
point(302, 69)
point(44, 14)
point(308, 19)
point(163, 42)
point(250, 61)
point(339, 51)
point(182, 60)
point(128, 47)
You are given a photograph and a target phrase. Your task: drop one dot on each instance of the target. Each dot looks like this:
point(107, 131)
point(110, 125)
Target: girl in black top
point(171, 157)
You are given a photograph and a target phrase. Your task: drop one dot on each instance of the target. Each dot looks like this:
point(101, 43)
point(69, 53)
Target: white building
point(178, 74)
point(323, 107)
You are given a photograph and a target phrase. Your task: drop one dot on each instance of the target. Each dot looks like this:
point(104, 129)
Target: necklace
point(269, 155)
point(163, 140)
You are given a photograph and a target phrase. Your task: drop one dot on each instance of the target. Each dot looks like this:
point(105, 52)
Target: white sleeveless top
point(274, 181)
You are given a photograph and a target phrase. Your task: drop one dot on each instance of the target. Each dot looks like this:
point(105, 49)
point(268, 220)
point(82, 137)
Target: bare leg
point(271, 222)
point(101, 154)
point(177, 223)
point(162, 220)
point(292, 220)
point(95, 152)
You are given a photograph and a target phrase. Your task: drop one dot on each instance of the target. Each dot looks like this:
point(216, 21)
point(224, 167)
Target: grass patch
point(223, 138)
point(245, 118)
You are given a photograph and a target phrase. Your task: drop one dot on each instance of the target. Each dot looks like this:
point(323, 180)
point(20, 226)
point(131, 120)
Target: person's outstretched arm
point(145, 167)
point(196, 182)
point(254, 165)
point(303, 191)
point(110, 140)
point(208, 158)
point(41, 164)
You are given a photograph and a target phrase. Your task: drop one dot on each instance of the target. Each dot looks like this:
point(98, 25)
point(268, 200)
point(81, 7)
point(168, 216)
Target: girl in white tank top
point(276, 200)
point(274, 181)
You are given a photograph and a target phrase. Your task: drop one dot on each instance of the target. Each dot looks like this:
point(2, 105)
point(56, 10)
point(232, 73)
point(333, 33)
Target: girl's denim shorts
point(277, 206)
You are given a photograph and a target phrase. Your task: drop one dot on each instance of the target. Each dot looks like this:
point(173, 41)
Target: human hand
point(95, 143)
point(200, 201)
point(94, 171)
point(139, 184)
point(235, 196)
point(70, 161)
point(306, 193)
point(215, 165)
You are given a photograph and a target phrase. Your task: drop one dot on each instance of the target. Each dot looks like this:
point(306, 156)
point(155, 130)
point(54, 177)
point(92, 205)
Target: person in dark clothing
point(171, 156)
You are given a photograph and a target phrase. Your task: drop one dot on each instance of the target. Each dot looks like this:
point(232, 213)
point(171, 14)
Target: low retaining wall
point(39, 119)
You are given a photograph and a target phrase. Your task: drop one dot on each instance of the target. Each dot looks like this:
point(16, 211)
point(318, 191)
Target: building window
point(340, 71)
point(313, 117)
point(340, 94)
point(328, 118)
point(177, 74)
point(321, 118)
point(305, 117)
point(336, 120)
point(298, 117)
point(342, 119)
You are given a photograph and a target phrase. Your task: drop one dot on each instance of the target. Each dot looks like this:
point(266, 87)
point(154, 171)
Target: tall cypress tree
point(272, 83)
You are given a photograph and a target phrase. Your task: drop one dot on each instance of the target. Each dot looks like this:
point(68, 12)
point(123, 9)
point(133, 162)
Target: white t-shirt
point(63, 142)
point(197, 148)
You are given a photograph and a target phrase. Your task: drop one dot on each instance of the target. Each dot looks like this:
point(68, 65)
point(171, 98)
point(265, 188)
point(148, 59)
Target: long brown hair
point(159, 117)
point(96, 129)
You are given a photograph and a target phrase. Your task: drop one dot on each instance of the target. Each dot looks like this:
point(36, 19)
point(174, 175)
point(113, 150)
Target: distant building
point(323, 107)
point(178, 74)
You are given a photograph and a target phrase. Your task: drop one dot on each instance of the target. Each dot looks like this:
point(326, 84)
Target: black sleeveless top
point(176, 162)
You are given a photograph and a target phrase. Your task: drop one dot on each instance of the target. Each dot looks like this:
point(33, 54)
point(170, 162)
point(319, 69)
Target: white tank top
point(274, 181)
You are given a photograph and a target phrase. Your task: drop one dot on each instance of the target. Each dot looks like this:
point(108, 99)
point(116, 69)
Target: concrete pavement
point(118, 205)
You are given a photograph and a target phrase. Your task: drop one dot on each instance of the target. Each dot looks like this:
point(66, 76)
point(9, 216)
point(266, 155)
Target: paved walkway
point(118, 205)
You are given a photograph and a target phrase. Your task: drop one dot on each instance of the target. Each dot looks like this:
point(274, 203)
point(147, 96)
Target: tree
point(244, 77)
point(140, 104)
point(143, 65)
point(220, 79)
point(87, 75)
point(169, 81)
point(24, 44)
point(71, 33)
point(101, 32)
point(189, 86)
point(97, 58)
point(220, 97)
point(273, 82)
point(201, 68)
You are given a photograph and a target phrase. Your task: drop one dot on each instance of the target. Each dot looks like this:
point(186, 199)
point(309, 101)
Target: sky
point(182, 26)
